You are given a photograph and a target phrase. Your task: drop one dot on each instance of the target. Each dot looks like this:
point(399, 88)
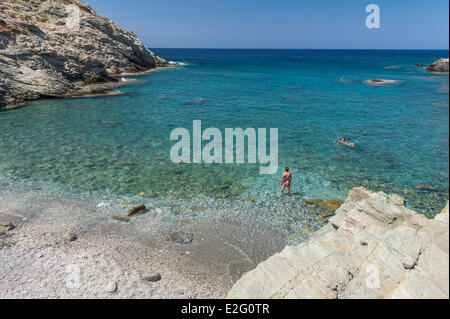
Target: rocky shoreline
point(42, 55)
point(374, 247)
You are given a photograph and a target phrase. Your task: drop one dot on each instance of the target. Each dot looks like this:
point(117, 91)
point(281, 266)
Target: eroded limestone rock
point(374, 247)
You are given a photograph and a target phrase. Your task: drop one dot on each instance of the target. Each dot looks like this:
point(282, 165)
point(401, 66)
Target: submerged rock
point(138, 210)
point(326, 214)
point(419, 65)
point(180, 291)
point(181, 237)
point(429, 188)
point(440, 66)
point(380, 81)
point(70, 237)
point(333, 205)
point(374, 247)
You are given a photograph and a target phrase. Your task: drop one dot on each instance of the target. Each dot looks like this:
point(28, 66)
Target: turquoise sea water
point(119, 146)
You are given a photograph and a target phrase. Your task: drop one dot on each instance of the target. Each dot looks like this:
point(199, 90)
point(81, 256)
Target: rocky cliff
point(373, 248)
point(440, 66)
point(58, 48)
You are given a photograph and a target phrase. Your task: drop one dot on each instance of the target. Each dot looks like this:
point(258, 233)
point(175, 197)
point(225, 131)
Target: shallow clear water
point(119, 146)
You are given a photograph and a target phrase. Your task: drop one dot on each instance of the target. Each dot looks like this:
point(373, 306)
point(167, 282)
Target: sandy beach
point(63, 247)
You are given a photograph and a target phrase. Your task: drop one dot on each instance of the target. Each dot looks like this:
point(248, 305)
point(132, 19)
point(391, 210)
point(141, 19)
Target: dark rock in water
point(419, 65)
point(181, 237)
point(440, 66)
point(138, 210)
point(426, 187)
point(70, 237)
point(329, 205)
point(41, 56)
point(153, 277)
point(121, 219)
point(327, 214)
point(4, 228)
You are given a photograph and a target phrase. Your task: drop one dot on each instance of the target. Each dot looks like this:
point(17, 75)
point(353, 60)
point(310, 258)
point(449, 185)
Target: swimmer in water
point(286, 181)
point(345, 142)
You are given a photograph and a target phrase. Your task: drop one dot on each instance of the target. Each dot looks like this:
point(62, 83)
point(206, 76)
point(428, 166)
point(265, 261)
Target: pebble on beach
point(153, 277)
point(70, 237)
point(180, 291)
point(6, 227)
point(181, 237)
point(138, 210)
point(111, 287)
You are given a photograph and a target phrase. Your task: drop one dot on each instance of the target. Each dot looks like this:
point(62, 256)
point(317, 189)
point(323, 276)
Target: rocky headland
point(63, 48)
point(440, 66)
point(374, 247)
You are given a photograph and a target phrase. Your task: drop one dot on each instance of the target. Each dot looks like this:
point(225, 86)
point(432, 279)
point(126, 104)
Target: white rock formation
point(440, 66)
point(373, 248)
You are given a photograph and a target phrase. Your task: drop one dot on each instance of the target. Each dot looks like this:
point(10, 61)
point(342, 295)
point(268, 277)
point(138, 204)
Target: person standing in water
point(286, 181)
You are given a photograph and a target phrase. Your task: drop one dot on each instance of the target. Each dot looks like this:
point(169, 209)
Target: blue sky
point(314, 24)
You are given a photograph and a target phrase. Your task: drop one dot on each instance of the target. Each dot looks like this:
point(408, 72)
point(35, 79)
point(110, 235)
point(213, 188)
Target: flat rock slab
point(374, 247)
